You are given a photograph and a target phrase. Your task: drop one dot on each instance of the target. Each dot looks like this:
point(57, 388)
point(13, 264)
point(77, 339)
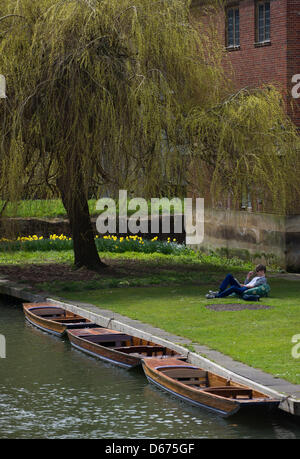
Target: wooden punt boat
point(204, 388)
point(116, 347)
point(53, 318)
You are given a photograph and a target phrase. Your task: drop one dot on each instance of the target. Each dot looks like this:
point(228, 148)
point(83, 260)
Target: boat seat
point(149, 350)
point(184, 373)
point(230, 391)
point(175, 355)
point(195, 382)
point(45, 312)
point(113, 340)
point(70, 320)
point(188, 376)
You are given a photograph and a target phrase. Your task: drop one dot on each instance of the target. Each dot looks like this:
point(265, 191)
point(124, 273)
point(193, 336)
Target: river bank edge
point(202, 356)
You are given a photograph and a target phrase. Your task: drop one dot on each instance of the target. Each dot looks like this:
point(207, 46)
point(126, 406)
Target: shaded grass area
point(195, 261)
point(260, 338)
point(55, 271)
point(42, 268)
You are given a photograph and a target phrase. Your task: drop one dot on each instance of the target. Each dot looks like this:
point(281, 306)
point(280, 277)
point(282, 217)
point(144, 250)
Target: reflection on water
point(50, 390)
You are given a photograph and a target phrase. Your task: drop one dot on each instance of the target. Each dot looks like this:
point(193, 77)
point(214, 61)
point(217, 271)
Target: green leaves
point(250, 143)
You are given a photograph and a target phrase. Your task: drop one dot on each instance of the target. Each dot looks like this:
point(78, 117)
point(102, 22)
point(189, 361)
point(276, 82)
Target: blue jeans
point(235, 287)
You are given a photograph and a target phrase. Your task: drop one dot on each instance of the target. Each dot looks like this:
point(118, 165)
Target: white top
point(253, 282)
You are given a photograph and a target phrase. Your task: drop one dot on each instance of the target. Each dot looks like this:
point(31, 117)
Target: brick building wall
point(293, 53)
point(273, 62)
point(256, 64)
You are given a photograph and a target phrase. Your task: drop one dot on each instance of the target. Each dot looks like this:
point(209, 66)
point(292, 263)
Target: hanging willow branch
point(12, 16)
point(254, 145)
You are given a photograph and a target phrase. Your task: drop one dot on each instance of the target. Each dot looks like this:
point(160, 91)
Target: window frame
point(265, 40)
point(235, 45)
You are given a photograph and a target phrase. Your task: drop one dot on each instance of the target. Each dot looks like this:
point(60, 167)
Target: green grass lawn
point(40, 208)
point(37, 208)
point(23, 257)
point(259, 338)
point(52, 208)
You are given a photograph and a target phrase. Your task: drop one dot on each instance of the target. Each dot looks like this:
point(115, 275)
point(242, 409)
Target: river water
point(50, 390)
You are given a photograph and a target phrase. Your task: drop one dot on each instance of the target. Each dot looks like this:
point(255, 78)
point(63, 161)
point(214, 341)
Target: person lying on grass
point(235, 287)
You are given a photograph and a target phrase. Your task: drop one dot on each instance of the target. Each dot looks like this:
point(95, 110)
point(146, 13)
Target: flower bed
point(109, 243)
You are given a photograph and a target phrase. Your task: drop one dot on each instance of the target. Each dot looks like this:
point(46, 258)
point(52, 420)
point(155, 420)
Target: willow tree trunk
point(76, 204)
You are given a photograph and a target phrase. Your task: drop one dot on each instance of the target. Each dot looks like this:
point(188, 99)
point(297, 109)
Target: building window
point(263, 22)
point(233, 27)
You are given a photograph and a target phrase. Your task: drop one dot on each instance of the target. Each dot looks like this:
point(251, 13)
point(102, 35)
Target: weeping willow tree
point(116, 91)
point(248, 142)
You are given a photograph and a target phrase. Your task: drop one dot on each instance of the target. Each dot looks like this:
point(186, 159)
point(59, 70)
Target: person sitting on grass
point(235, 287)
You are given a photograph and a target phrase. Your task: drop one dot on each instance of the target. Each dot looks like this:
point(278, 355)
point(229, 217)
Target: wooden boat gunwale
point(94, 354)
point(116, 356)
point(235, 407)
point(190, 400)
point(222, 405)
point(49, 330)
point(51, 325)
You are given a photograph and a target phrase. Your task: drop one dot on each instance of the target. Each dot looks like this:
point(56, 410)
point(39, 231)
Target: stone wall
point(14, 227)
point(252, 236)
